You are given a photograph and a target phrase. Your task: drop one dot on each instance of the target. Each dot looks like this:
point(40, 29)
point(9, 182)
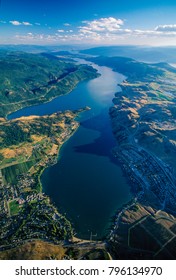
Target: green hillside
point(28, 79)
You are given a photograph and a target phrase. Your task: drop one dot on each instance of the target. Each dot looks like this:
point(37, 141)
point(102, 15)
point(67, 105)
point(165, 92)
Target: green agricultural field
point(10, 173)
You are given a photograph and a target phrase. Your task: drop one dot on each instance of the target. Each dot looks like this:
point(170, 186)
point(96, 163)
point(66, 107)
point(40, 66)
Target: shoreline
point(57, 157)
point(39, 100)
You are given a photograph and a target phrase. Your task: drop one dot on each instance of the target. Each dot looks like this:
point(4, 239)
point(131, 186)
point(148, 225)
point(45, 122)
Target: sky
point(88, 22)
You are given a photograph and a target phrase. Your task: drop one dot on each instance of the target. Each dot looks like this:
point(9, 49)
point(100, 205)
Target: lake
point(87, 183)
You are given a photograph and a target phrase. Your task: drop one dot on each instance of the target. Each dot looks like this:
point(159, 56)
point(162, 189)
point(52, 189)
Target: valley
point(139, 152)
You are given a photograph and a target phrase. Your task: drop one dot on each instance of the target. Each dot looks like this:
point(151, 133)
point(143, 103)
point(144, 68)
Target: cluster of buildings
point(150, 174)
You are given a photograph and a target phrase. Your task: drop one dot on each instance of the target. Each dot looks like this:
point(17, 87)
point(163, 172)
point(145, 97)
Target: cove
point(87, 184)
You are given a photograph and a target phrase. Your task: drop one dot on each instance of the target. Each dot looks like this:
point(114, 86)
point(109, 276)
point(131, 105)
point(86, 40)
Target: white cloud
point(102, 25)
point(17, 23)
point(26, 23)
point(166, 28)
point(86, 31)
point(32, 37)
point(67, 24)
point(37, 23)
point(105, 31)
point(160, 31)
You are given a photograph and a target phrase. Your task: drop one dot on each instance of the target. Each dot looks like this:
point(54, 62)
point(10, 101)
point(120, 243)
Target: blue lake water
point(87, 183)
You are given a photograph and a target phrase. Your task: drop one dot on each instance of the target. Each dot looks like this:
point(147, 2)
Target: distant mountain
point(130, 67)
point(146, 54)
point(44, 48)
